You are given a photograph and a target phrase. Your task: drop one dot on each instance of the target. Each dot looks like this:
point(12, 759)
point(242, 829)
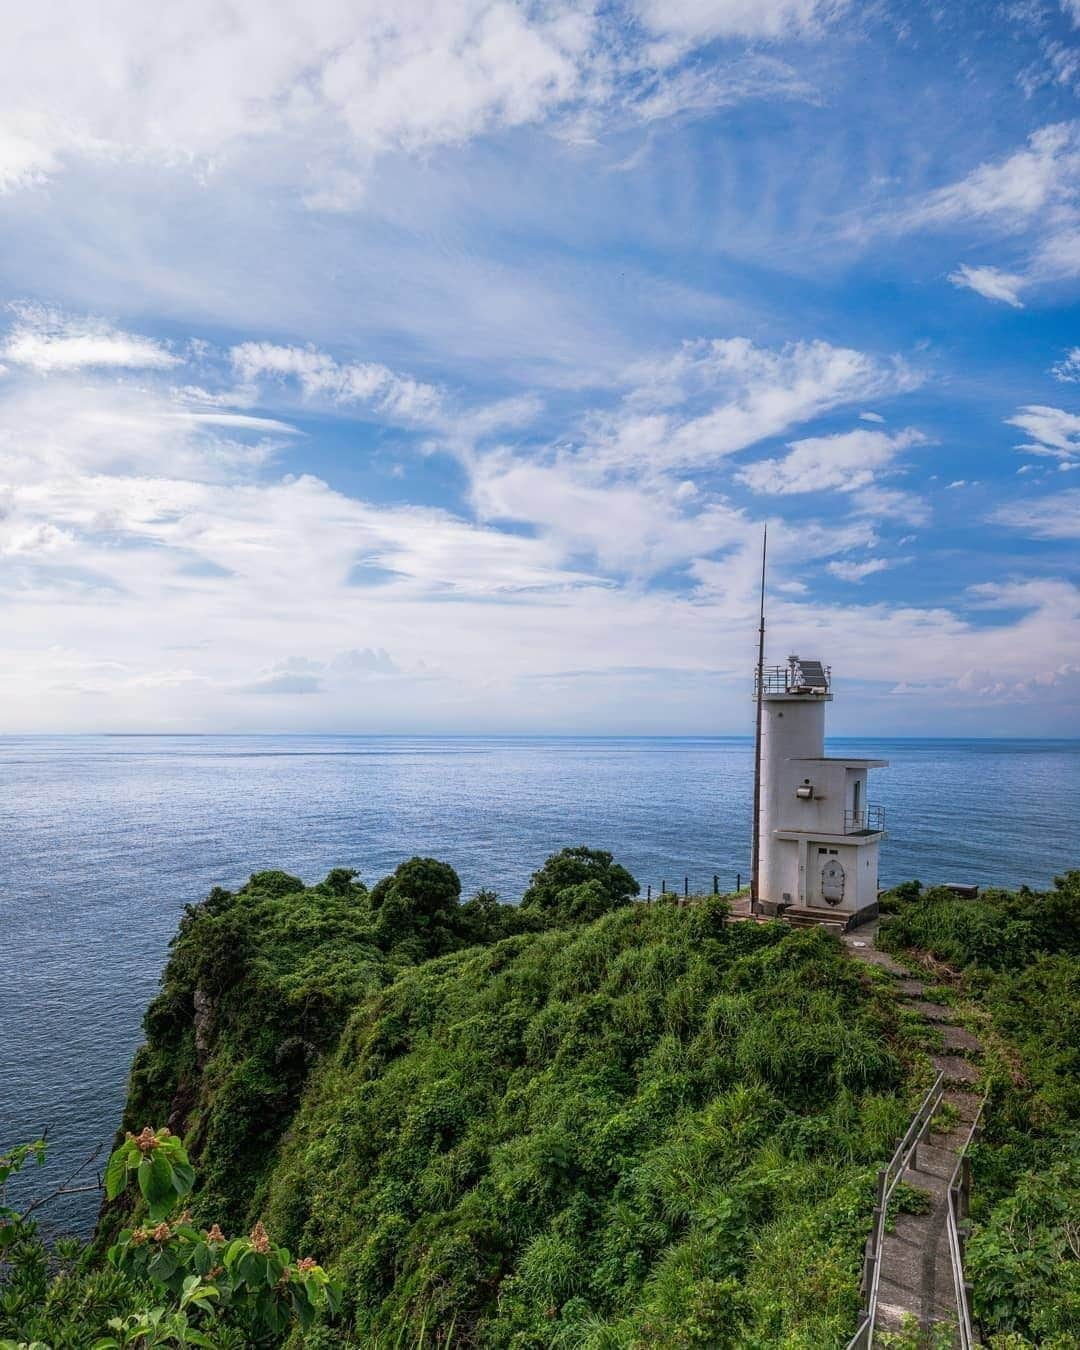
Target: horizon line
point(513, 735)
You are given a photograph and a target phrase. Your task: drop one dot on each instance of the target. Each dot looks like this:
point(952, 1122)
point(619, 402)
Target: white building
point(819, 836)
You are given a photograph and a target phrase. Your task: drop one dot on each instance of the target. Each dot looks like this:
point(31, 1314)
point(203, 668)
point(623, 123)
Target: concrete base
point(841, 921)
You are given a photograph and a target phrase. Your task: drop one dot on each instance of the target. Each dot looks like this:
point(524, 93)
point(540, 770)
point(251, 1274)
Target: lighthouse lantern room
point(817, 833)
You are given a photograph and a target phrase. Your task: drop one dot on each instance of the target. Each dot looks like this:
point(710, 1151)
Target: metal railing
point(888, 1178)
point(788, 680)
point(959, 1198)
point(869, 820)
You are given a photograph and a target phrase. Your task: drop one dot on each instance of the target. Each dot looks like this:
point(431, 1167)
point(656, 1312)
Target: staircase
point(919, 1271)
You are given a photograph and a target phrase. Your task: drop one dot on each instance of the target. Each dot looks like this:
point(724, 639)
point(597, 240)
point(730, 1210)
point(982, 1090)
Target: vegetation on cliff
point(578, 1122)
point(658, 1128)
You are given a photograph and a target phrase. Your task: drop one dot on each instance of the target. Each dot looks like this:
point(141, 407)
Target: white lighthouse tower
point(818, 836)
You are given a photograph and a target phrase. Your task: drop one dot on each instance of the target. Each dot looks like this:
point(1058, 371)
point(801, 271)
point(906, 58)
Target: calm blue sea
point(103, 840)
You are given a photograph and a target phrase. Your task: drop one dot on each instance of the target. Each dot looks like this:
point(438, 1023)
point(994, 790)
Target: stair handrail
point(888, 1177)
point(958, 1197)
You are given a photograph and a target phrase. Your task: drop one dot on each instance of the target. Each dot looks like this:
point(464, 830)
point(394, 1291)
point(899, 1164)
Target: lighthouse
point(817, 833)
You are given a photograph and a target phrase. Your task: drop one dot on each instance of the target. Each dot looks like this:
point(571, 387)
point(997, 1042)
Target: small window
point(823, 850)
point(833, 850)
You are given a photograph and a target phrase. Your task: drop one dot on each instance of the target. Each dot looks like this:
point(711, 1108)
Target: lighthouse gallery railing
point(789, 680)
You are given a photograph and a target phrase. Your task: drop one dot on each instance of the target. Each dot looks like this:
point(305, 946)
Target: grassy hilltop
point(583, 1121)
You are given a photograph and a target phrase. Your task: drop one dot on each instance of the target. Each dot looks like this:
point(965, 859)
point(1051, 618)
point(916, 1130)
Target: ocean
point(104, 839)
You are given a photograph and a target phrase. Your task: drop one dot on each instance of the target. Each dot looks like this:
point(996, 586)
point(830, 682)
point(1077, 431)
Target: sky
point(434, 367)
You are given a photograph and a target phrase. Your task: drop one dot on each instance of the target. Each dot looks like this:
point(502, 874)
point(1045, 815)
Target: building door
point(832, 881)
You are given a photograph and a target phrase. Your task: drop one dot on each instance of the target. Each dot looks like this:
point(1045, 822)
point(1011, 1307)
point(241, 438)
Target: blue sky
point(379, 367)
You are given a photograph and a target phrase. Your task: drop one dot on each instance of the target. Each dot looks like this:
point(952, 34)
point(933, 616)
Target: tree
point(579, 884)
point(423, 885)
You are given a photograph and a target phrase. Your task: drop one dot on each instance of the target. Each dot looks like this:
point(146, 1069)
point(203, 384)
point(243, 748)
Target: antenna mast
point(755, 862)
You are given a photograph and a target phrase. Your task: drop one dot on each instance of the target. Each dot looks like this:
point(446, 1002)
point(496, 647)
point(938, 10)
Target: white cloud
point(749, 393)
point(1067, 370)
point(26, 156)
point(137, 80)
point(1053, 431)
point(46, 340)
point(1034, 192)
point(396, 396)
point(282, 681)
point(1013, 190)
point(626, 526)
point(844, 462)
point(857, 571)
point(1053, 517)
point(705, 20)
point(238, 421)
point(891, 504)
point(990, 282)
point(753, 76)
point(871, 417)
point(136, 531)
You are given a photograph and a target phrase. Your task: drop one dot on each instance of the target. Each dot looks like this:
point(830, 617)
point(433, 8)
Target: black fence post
point(715, 884)
point(663, 888)
point(686, 888)
point(648, 894)
point(738, 881)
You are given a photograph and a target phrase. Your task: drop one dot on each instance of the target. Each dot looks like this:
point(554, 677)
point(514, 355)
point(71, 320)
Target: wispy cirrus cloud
point(991, 283)
point(1053, 431)
point(356, 382)
point(694, 21)
point(1033, 194)
point(714, 398)
point(1056, 516)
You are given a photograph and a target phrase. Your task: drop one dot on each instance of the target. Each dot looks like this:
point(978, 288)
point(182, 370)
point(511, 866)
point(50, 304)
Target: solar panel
point(812, 675)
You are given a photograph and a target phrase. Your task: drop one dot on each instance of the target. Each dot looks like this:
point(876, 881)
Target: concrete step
point(967, 1103)
point(933, 1012)
point(809, 916)
point(861, 945)
point(957, 1071)
point(959, 1039)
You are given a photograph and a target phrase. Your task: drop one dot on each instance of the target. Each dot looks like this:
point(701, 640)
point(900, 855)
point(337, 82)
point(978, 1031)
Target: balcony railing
point(869, 820)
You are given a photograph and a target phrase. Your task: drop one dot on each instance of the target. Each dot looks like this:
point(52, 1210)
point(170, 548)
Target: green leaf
point(233, 1251)
point(251, 1268)
point(155, 1182)
point(162, 1267)
point(116, 1174)
point(183, 1177)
